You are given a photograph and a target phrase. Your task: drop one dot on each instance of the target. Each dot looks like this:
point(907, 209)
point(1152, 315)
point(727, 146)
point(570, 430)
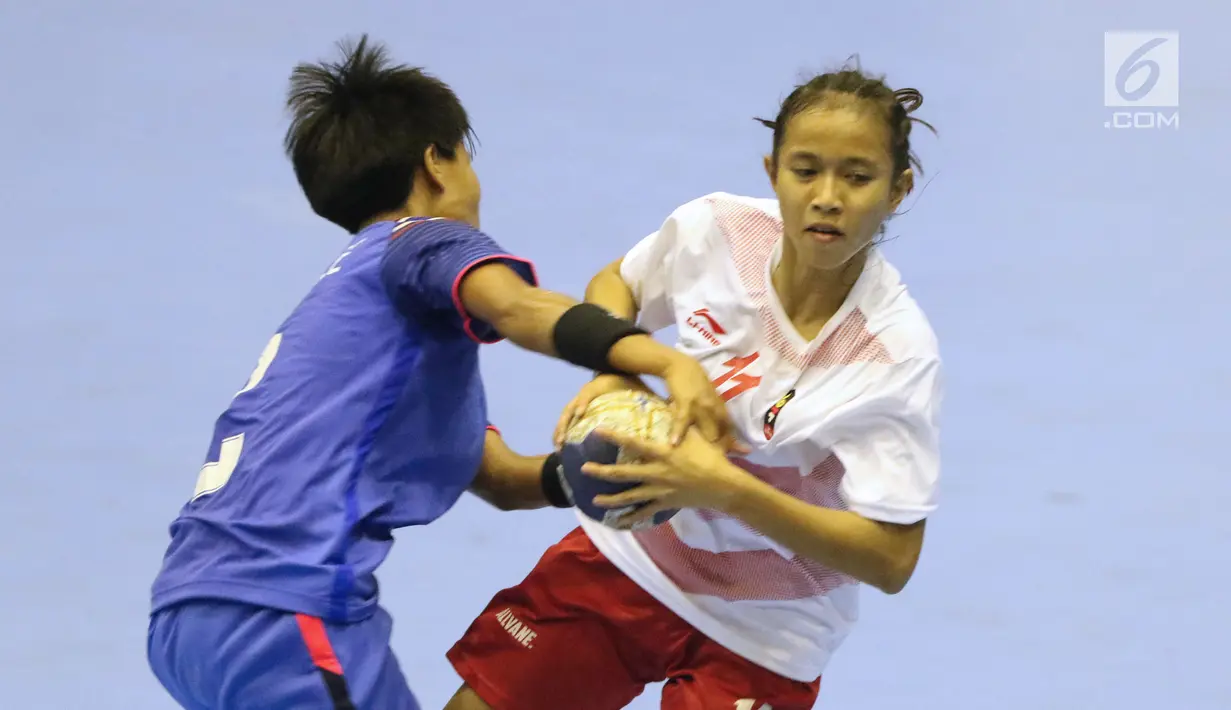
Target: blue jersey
point(365, 413)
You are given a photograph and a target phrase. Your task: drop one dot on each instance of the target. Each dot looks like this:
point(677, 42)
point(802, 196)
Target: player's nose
point(827, 195)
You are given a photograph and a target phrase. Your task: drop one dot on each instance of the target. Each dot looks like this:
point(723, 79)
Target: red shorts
point(578, 633)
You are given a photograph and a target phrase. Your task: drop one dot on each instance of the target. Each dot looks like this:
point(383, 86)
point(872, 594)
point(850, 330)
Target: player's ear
point(771, 169)
point(434, 168)
point(901, 188)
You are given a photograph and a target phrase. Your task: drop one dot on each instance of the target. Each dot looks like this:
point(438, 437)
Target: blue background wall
point(153, 237)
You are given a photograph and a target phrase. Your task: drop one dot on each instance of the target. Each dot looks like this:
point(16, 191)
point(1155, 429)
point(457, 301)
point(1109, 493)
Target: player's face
point(834, 181)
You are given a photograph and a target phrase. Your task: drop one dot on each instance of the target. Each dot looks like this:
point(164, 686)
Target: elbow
point(608, 275)
point(894, 572)
point(892, 581)
point(503, 315)
point(494, 294)
point(896, 557)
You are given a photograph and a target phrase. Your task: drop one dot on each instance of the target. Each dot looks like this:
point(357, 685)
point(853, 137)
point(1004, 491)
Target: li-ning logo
point(771, 417)
point(705, 324)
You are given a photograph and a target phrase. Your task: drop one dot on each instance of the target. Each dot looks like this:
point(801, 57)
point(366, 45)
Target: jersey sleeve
point(425, 265)
point(891, 450)
point(646, 269)
point(649, 268)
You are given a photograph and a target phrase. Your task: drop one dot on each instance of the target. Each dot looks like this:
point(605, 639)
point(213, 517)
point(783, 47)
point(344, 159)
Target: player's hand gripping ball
point(629, 412)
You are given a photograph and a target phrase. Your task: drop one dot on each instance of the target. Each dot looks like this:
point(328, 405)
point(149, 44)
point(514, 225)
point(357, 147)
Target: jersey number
point(215, 474)
point(740, 382)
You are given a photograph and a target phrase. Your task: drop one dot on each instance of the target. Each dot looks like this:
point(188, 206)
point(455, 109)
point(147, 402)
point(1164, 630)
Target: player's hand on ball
point(695, 474)
point(601, 385)
point(695, 403)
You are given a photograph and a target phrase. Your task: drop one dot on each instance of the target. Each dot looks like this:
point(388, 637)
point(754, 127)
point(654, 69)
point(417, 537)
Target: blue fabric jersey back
point(365, 413)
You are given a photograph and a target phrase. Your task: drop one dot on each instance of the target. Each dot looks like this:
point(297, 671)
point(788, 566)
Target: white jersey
point(847, 421)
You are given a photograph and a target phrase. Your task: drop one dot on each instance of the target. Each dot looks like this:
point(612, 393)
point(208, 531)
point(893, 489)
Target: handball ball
point(632, 412)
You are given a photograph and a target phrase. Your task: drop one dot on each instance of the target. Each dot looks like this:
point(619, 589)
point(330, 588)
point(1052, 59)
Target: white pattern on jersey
point(859, 434)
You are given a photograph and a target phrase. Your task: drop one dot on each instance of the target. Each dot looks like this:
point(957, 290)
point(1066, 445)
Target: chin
point(828, 256)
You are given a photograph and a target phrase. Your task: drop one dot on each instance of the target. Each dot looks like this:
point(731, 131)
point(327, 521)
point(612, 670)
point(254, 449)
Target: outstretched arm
point(447, 270)
point(554, 324)
point(586, 335)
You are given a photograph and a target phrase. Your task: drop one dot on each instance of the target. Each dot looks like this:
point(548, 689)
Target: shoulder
point(437, 244)
point(912, 371)
point(724, 217)
point(895, 318)
point(425, 233)
point(725, 210)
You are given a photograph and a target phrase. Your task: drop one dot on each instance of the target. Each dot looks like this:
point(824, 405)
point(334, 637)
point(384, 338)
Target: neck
point(420, 204)
point(393, 216)
point(809, 295)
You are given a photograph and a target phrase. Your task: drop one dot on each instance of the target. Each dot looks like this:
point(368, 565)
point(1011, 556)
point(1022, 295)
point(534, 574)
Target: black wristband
point(585, 334)
point(553, 488)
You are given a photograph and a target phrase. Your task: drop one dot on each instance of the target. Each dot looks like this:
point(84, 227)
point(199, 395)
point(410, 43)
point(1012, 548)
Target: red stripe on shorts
point(314, 637)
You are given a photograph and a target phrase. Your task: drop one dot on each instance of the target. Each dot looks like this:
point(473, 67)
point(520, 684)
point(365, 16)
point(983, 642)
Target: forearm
point(608, 290)
point(518, 485)
point(532, 318)
point(875, 553)
point(508, 480)
point(642, 355)
point(532, 324)
point(529, 320)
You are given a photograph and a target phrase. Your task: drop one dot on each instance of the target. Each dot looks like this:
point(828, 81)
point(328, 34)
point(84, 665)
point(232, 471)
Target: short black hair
point(359, 129)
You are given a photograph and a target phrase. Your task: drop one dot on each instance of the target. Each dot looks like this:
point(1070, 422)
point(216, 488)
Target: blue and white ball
point(640, 414)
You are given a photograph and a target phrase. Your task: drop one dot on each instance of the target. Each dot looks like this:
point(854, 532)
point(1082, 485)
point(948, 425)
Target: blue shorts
point(215, 655)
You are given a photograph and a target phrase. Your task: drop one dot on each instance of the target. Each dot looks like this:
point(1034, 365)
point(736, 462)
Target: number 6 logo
point(1141, 69)
point(1134, 63)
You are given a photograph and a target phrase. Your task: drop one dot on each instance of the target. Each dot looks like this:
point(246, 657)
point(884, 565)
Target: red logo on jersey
point(771, 417)
point(705, 324)
point(740, 382)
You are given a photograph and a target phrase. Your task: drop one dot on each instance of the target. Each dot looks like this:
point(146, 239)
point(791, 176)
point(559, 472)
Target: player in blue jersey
point(366, 412)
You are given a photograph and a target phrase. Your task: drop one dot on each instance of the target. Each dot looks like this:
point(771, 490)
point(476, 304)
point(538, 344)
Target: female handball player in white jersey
point(832, 375)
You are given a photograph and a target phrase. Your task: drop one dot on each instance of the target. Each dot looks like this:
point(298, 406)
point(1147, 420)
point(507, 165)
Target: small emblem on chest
point(704, 323)
point(771, 417)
